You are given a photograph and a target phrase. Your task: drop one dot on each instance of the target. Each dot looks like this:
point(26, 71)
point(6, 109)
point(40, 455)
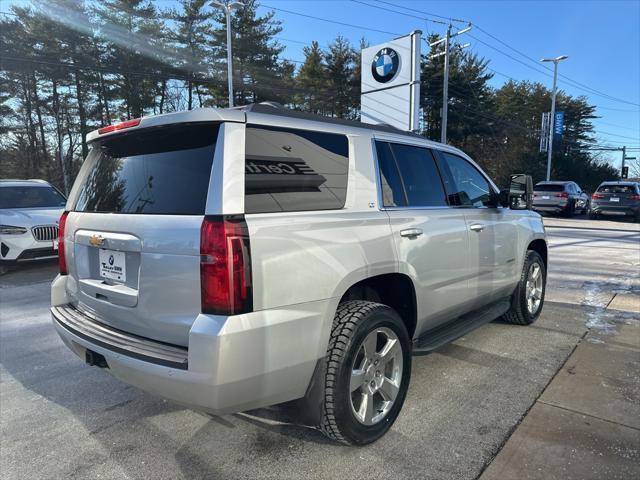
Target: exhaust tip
point(95, 359)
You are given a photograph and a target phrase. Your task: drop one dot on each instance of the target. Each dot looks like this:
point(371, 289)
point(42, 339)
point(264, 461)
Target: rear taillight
point(225, 265)
point(119, 126)
point(634, 197)
point(562, 195)
point(597, 196)
point(62, 260)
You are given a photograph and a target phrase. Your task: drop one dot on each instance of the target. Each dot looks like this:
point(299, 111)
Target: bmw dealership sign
point(391, 83)
point(385, 65)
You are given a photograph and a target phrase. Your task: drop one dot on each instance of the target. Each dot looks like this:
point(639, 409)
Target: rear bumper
point(615, 210)
point(558, 208)
point(232, 363)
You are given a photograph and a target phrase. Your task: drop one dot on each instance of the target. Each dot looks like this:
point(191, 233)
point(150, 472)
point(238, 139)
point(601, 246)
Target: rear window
point(617, 189)
point(549, 188)
point(290, 170)
point(161, 170)
point(30, 197)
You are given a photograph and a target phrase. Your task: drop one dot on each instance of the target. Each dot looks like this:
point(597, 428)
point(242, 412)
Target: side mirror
point(520, 194)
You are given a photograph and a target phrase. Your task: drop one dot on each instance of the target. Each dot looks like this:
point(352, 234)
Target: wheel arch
point(539, 246)
point(395, 290)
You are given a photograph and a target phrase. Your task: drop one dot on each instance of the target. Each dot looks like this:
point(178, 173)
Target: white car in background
point(29, 215)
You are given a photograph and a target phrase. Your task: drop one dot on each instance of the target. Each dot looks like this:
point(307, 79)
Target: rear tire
point(526, 294)
point(571, 210)
point(348, 364)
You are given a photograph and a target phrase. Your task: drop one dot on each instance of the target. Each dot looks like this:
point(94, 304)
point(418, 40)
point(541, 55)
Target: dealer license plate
point(113, 265)
point(545, 197)
point(614, 199)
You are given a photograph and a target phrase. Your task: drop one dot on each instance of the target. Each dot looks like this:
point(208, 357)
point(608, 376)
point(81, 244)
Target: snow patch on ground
point(598, 295)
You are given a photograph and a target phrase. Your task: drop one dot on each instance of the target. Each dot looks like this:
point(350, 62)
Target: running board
point(448, 332)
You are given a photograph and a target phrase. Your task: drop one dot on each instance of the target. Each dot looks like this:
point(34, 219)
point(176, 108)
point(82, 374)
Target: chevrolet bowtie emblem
point(96, 240)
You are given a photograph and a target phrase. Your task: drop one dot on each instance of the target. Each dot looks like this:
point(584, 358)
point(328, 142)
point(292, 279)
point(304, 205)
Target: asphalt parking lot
point(62, 419)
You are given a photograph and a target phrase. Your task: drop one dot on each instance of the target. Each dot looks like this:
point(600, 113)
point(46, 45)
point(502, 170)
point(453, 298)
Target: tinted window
point(393, 194)
point(294, 170)
point(163, 170)
point(617, 189)
point(420, 176)
point(30, 197)
point(466, 186)
point(549, 188)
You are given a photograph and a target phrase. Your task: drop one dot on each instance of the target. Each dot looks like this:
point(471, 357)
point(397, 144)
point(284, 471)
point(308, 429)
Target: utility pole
point(228, 6)
point(445, 85)
point(553, 108)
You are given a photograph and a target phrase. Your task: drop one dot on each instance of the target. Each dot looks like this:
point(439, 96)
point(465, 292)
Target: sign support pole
point(414, 106)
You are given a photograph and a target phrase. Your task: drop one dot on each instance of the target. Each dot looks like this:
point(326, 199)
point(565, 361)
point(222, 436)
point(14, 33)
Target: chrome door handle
point(476, 227)
point(411, 232)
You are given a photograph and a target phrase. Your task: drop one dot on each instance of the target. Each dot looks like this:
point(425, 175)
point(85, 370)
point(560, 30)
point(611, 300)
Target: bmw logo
point(111, 260)
point(385, 65)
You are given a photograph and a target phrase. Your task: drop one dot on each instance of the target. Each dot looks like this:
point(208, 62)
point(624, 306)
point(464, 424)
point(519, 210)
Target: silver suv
point(239, 258)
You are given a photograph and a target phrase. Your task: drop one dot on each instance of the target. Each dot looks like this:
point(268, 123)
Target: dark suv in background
point(559, 197)
point(616, 199)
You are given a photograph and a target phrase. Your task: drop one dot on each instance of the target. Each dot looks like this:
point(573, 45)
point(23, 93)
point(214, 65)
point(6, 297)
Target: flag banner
point(558, 126)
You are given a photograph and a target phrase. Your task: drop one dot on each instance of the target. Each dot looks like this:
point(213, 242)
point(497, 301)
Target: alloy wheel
point(534, 288)
point(376, 374)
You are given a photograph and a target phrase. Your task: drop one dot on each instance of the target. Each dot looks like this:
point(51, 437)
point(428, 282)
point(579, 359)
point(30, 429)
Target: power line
point(567, 80)
point(399, 13)
point(549, 68)
point(425, 13)
point(618, 109)
point(616, 135)
point(344, 24)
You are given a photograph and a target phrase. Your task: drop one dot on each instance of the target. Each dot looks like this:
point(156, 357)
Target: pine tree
point(133, 34)
point(312, 80)
point(257, 74)
point(356, 80)
point(340, 71)
point(191, 35)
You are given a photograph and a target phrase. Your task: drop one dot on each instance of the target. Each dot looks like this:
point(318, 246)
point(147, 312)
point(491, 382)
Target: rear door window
point(290, 170)
point(159, 170)
point(409, 176)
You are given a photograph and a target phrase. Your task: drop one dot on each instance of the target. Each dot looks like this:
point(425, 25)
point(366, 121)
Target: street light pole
point(552, 121)
point(227, 7)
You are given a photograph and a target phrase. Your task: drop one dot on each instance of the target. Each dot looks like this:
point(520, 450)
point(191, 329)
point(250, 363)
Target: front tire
point(367, 373)
point(528, 298)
